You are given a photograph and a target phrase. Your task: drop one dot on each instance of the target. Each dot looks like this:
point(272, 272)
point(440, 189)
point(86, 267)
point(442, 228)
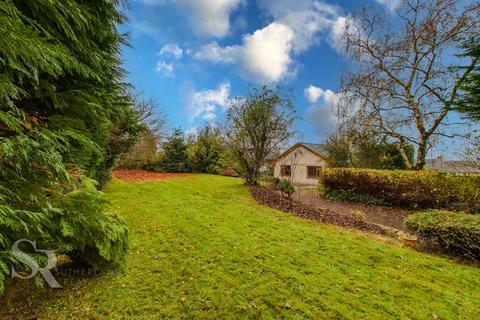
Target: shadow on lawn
point(24, 299)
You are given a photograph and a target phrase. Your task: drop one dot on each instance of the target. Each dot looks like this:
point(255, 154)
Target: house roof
point(318, 149)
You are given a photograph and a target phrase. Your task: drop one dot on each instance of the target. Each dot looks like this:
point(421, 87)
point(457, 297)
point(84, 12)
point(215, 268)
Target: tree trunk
point(421, 156)
point(403, 153)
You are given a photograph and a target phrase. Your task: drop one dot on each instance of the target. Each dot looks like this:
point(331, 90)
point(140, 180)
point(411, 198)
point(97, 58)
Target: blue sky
point(192, 55)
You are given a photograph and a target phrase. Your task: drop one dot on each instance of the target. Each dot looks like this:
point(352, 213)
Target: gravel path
point(387, 216)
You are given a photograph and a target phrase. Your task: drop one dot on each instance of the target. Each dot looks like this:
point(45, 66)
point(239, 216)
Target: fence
point(308, 194)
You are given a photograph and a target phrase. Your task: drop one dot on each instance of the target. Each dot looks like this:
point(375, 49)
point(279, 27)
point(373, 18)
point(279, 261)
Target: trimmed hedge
point(457, 233)
point(411, 189)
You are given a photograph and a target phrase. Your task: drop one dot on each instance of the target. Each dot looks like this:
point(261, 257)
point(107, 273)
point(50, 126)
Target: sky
point(194, 55)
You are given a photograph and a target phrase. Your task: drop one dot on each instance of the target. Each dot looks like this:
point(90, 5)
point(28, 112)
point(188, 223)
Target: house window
point(285, 171)
point(313, 172)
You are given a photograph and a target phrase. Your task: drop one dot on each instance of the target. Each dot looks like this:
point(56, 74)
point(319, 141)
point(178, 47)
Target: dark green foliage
point(350, 196)
point(411, 189)
point(286, 187)
point(86, 232)
point(207, 151)
point(175, 157)
point(338, 150)
point(64, 115)
point(365, 149)
point(469, 102)
point(455, 232)
point(378, 153)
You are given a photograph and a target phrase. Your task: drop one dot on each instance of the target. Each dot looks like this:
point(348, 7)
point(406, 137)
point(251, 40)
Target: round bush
point(286, 186)
point(455, 232)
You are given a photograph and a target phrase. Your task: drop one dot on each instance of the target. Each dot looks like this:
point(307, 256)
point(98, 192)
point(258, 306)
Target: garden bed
point(275, 200)
point(392, 217)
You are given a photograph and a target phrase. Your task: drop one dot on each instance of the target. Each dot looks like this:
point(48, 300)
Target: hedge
point(455, 232)
point(411, 189)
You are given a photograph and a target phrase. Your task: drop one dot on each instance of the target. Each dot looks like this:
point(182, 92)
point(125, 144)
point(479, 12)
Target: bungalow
point(300, 164)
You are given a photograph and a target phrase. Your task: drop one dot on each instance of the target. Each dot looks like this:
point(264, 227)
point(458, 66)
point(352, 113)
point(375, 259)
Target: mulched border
point(274, 200)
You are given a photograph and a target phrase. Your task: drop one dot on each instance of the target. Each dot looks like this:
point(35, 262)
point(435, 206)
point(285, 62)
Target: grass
point(201, 248)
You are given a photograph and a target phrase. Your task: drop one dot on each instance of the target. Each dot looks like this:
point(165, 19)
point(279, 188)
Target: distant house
point(301, 163)
point(460, 168)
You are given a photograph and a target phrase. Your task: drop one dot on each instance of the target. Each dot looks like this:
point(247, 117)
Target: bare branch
point(403, 78)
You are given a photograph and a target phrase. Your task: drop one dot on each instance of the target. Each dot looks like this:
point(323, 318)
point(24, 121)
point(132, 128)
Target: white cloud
point(165, 69)
point(338, 32)
point(392, 5)
point(312, 20)
point(171, 49)
point(268, 54)
point(208, 18)
point(212, 52)
point(264, 55)
point(325, 112)
point(206, 103)
point(313, 94)
point(346, 26)
point(307, 19)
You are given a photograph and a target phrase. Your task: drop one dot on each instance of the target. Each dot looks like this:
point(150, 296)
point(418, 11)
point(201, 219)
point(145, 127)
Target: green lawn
point(202, 248)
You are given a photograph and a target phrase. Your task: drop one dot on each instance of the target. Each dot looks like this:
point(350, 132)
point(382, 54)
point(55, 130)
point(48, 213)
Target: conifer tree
point(469, 103)
point(65, 117)
point(207, 150)
point(175, 156)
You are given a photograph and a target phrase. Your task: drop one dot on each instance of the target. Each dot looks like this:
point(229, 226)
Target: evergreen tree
point(65, 117)
point(338, 150)
point(175, 156)
point(470, 99)
point(365, 149)
point(206, 151)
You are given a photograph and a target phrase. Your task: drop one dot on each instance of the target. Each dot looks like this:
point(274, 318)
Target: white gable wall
point(299, 159)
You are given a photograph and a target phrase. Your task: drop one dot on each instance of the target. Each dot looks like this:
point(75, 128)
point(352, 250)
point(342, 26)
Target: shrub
point(457, 233)
point(358, 214)
point(348, 196)
point(74, 223)
point(87, 233)
point(412, 189)
point(286, 187)
point(207, 150)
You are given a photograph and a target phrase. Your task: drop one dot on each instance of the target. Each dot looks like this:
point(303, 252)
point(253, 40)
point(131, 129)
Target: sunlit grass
point(201, 248)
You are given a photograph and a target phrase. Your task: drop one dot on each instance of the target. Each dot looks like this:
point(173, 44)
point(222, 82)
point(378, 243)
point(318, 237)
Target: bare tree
point(403, 76)
point(258, 127)
point(150, 113)
point(292, 161)
point(472, 155)
point(144, 153)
